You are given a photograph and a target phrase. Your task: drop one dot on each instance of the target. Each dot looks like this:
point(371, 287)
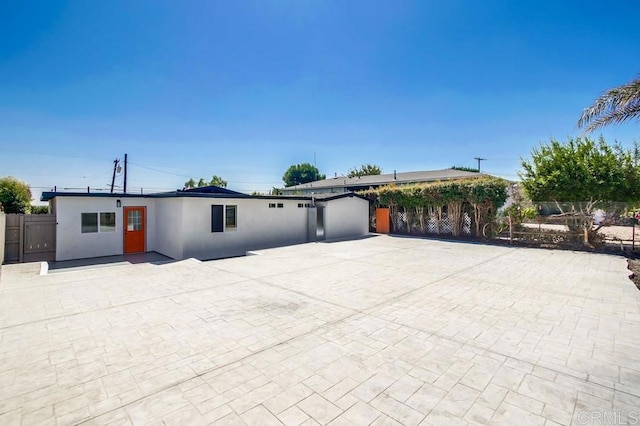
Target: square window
point(300, 205)
point(231, 217)
point(89, 223)
point(280, 205)
point(107, 222)
point(134, 220)
point(272, 205)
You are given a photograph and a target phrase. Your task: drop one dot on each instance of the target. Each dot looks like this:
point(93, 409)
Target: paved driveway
point(383, 330)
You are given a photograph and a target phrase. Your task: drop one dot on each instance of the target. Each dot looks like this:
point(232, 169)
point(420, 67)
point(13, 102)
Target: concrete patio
point(382, 330)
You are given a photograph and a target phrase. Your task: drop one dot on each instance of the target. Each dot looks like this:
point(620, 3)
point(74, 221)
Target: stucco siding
point(258, 227)
point(71, 243)
point(346, 217)
point(181, 227)
point(169, 227)
point(3, 230)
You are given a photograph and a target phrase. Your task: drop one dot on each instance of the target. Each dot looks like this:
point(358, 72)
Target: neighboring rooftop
point(344, 183)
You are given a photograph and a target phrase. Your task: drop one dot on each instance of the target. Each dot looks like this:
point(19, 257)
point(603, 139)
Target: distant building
point(341, 184)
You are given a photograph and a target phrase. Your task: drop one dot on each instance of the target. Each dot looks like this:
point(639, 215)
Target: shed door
point(134, 229)
point(320, 232)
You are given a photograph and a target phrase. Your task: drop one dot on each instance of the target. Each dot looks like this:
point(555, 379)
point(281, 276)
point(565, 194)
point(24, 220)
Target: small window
point(272, 205)
point(231, 217)
point(217, 218)
point(280, 205)
point(107, 222)
point(89, 222)
point(300, 205)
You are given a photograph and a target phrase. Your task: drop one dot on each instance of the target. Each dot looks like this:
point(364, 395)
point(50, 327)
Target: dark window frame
point(107, 225)
point(90, 227)
point(231, 208)
point(217, 218)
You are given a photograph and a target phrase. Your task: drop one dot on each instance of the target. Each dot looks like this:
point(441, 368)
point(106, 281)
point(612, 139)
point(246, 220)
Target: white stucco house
point(203, 223)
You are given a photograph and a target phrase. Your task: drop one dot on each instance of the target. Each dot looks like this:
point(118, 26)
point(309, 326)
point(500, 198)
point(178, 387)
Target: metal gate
point(30, 238)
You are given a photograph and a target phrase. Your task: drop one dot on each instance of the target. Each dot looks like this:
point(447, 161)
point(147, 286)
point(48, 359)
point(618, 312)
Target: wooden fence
point(29, 238)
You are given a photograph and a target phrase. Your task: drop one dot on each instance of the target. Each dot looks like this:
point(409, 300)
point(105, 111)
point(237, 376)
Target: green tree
point(465, 169)
point(301, 173)
point(579, 176)
point(39, 209)
point(190, 183)
point(15, 195)
point(364, 170)
point(615, 106)
point(218, 181)
point(581, 170)
point(215, 181)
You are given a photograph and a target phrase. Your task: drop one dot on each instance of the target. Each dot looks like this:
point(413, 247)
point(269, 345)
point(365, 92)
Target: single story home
point(342, 184)
point(203, 223)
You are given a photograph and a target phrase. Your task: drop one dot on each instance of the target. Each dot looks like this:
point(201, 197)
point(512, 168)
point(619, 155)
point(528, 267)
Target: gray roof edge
point(388, 179)
point(49, 195)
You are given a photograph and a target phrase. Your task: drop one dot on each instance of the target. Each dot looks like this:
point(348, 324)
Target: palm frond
point(614, 117)
point(613, 107)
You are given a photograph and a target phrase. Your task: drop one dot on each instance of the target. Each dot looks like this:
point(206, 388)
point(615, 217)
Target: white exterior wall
point(258, 227)
point(345, 217)
point(71, 243)
point(180, 227)
point(169, 227)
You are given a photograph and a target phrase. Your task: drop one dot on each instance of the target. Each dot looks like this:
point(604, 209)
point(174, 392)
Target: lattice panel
point(400, 221)
point(445, 225)
point(466, 224)
point(432, 226)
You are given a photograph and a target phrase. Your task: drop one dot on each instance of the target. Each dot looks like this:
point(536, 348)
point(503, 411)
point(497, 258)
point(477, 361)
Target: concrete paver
point(384, 330)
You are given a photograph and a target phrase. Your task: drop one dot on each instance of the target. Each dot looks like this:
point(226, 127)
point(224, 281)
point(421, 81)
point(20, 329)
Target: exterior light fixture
point(118, 203)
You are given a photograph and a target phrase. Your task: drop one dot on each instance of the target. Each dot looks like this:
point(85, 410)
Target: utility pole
point(125, 174)
point(475, 158)
point(113, 178)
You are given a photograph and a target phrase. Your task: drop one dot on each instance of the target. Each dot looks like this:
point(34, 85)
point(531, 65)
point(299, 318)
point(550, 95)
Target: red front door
point(134, 229)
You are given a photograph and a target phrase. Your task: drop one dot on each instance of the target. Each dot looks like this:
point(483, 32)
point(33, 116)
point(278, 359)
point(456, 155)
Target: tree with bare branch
point(581, 176)
point(615, 106)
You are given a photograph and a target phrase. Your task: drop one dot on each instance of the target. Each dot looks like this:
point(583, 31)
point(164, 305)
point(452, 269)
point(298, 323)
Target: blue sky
point(243, 89)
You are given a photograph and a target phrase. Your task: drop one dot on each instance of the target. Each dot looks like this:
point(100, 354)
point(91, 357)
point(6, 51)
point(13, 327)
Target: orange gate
point(383, 221)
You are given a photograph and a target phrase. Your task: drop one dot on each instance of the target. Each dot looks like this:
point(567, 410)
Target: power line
point(56, 154)
point(157, 170)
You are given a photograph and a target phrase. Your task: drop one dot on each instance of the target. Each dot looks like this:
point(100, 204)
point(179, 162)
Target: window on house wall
point(107, 222)
point(89, 223)
point(272, 205)
point(280, 205)
point(300, 205)
point(98, 222)
point(231, 217)
point(217, 218)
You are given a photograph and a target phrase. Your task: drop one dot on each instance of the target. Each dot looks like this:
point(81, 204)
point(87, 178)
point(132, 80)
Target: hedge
point(479, 197)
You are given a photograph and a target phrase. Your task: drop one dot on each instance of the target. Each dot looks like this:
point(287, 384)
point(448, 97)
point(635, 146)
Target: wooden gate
point(383, 221)
point(30, 238)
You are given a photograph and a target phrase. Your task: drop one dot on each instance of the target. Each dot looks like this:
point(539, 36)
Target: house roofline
point(49, 195)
